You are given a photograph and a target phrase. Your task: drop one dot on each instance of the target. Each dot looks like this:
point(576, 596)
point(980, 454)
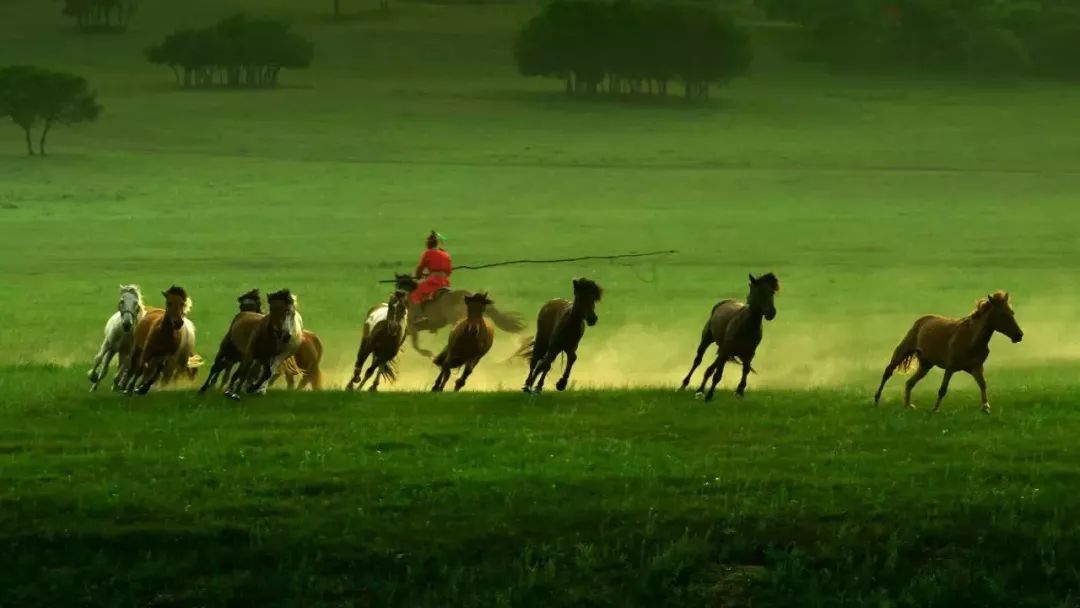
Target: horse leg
point(465, 373)
point(706, 340)
point(571, 358)
point(700, 394)
point(95, 375)
point(440, 380)
point(977, 373)
point(378, 376)
point(136, 369)
point(741, 389)
point(538, 353)
point(155, 370)
point(370, 372)
point(414, 336)
point(897, 358)
point(99, 375)
point(226, 374)
point(361, 356)
point(721, 360)
point(924, 368)
point(220, 363)
point(543, 368)
point(943, 390)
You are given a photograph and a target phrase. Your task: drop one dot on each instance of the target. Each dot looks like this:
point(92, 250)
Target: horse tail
point(524, 351)
point(907, 351)
point(389, 370)
point(289, 367)
point(441, 357)
point(195, 361)
point(739, 361)
point(511, 322)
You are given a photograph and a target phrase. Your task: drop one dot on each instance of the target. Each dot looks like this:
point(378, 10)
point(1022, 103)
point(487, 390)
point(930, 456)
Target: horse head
point(1002, 318)
point(762, 295)
point(405, 282)
point(586, 294)
point(284, 320)
point(130, 306)
point(250, 301)
point(397, 308)
point(476, 303)
point(177, 306)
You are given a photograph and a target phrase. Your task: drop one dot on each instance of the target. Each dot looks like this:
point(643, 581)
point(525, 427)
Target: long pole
point(582, 258)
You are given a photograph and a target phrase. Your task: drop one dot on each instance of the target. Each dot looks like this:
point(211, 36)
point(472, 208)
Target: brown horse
point(305, 363)
point(228, 353)
point(735, 328)
point(384, 333)
point(274, 338)
point(469, 341)
point(955, 345)
point(447, 308)
point(159, 337)
point(559, 329)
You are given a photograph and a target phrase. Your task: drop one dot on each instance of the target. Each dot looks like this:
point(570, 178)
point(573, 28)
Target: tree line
point(100, 14)
point(237, 52)
point(631, 48)
point(998, 37)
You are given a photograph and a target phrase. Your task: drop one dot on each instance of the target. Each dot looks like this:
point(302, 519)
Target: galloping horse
point(159, 338)
point(559, 328)
point(469, 341)
point(735, 328)
point(305, 363)
point(118, 334)
point(274, 338)
point(228, 353)
point(384, 333)
point(447, 308)
point(955, 345)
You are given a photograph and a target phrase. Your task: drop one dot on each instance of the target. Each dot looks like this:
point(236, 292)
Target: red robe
point(436, 263)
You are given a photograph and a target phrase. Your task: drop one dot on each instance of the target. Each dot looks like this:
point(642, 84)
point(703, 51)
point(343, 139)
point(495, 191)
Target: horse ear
point(164, 294)
point(752, 279)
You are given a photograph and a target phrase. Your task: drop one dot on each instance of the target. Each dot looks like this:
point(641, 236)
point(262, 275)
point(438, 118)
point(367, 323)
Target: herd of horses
point(157, 345)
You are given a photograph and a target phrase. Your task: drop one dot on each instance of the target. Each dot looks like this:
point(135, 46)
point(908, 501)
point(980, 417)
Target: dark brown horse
point(447, 308)
point(735, 328)
point(274, 338)
point(559, 329)
point(470, 340)
point(228, 353)
point(955, 345)
point(384, 333)
point(159, 337)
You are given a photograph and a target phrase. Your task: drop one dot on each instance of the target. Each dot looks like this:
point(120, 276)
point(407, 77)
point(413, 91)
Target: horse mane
point(983, 304)
point(771, 280)
point(283, 295)
point(176, 290)
point(591, 285)
point(133, 289)
point(249, 295)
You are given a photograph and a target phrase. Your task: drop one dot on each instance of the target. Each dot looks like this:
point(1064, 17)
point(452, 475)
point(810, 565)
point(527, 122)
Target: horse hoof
point(708, 397)
point(699, 395)
point(560, 385)
point(986, 409)
point(911, 406)
point(233, 396)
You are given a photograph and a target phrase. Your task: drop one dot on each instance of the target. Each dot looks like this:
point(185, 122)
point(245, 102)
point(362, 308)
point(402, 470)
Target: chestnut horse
point(469, 341)
point(955, 345)
point(228, 354)
point(384, 333)
point(305, 363)
point(274, 338)
point(735, 328)
point(559, 329)
point(447, 308)
point(159, 338)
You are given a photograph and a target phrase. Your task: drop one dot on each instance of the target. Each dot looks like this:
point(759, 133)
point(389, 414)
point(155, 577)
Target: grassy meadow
point(874, 197)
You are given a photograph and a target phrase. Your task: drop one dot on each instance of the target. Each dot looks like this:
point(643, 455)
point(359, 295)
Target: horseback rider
point(433, 272)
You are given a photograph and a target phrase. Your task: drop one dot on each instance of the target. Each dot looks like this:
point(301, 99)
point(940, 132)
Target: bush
point(238, 52)
point(636, 48)
point(997, 51)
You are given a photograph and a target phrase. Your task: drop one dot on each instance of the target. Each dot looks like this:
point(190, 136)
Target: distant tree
point(237, 52)
point(100, 14)
point(34, 97)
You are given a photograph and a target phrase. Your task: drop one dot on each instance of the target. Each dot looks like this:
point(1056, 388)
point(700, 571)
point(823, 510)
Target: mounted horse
point(119, 335)
point(384, 333)
point(470, 340)
point(955, 345)
point(736, 330)
point(159, 339)
point(446, 307)
point(559, 329)
point(229, 352)
point(274, 337)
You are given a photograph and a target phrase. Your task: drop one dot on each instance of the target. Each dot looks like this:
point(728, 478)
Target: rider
point(433, 271)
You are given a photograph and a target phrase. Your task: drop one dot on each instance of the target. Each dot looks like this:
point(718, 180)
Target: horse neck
point(753, 315)
point(981, 330)
point(474, 315)
point(578, 311)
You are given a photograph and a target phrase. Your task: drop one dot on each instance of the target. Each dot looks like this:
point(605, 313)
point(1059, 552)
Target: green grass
point(875, 199)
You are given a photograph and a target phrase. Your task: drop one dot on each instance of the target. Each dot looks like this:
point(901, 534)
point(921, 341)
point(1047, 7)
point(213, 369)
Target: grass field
point(875, 198)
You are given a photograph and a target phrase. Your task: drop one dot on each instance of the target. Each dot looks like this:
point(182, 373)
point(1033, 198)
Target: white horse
point(119, 334)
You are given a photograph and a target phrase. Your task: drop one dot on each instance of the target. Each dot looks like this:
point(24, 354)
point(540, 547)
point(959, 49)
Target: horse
point(384, 333)
point(275, 337)
point(159, 337)
point(955, 345)
point(469, 341)
point(446, 308)
point(118, 334)
point(305, 363)
point(228, 354)
point(735, 328)
point(559, 329)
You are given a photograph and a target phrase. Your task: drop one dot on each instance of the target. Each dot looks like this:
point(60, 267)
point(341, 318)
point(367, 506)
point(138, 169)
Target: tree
point(100, 14)
point(34, 97)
